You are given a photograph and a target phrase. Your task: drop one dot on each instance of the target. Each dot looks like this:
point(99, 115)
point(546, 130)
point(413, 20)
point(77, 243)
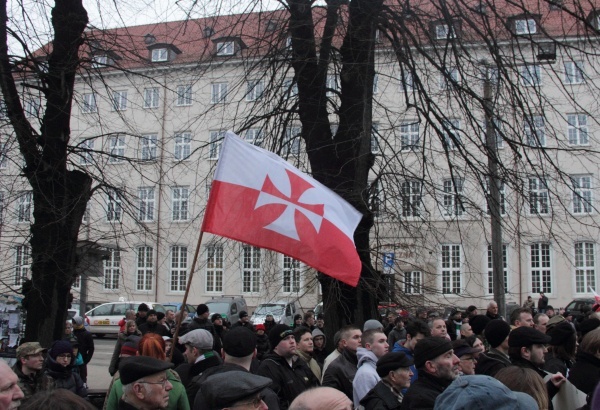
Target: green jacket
point(177, 397)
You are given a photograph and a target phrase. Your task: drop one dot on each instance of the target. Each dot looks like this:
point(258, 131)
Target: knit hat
point(60, 347)
point(527, 336)
point(478, 323)
point(137, 367)
point(560, 333)
point(239, 342)
point(160, 315)
point(430, 348)
point(278, 333)
point(151, 312)
point(202, 309)
point(496, 331)
point(143, 307)
point(260, 326)
point(77, 321)
point(242, 314)
point(588, 325)
point(392, 361)
point(129, 347)
point(372, 324)
point(216, 316)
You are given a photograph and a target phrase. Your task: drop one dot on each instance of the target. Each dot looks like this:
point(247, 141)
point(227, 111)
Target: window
point(89, 103)
point(218, 93)
point(449, 78)
point(531, 75)
point(412, 282)
point(409, 136)
point(99, 61)
point(585, 267)
point(410, 198)
point(582, 194)
point(332, 85)
point(114, 209)
point(254, 136)
point(148, 147)
point(214, 268)
point(376, 84)
point(535, 131)
point(76, 283)
point(146, 204)
point(22, 264)
point(291, 142)
point(112, 270)
point(254, 90)
point(86, 214)
point(178, 280)
point(538, 196)
point(32, 107)
point(290, 87)
point(490, 273)
point(86, 147)
point(216, 139)
point(24, 207)
point(183, 145)
point(452, 134)
point(3, 155)
point(502, 197)
point(225, 48)
point(376, 198)
point(179, 203)
point(291, 275)
point(573, 72)
point(252, 268)
point(374, 138)
point(577, 129)
point(497, 124)
point(184, 94)
point(119, 100)
point(151, 97)
point(407, 81)
point(525, 26)
point(145, 268)
point(160, 54)
point(444, 31)
point(453, 201)
point(116, 146)
point(451, 266)
point(541, 269)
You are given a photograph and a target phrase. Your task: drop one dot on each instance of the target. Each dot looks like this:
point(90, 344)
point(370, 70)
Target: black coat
point(86, 344)
point(188, 372)
point(206, 324)
point(262, 346)
point(288, 382)
point(585, 373)
point(422, 394)
point(153, 327)
point(341, 372)
point(381, 397)
point(491, 363)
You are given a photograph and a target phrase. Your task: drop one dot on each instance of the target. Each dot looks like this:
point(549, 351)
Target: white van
point(283, 312)
point(104, 319)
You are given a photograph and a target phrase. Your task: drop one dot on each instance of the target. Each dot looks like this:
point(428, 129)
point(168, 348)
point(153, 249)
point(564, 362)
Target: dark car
point(575, 307)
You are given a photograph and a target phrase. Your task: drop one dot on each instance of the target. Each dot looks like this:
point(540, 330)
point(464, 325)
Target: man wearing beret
point(437, 366)
point(202, 321)
point(395, 373)
point(290, 375)
point(527, 348)
point(145, 383)
point(239, 390)
point(28, 368)
point(496, 333)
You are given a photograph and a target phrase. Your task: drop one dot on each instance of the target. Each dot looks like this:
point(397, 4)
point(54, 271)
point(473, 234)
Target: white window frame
point(216, 140)
point(453, 203)
point(254, 90)
point(76, 283)
point(88, 104)
point(290, 87)
point(86, 157)
point(24, 208)
point(225, 48)
point(178, 274)
point(184, 95)
point(332, 85)
point(577, 129)
point(148, 147)
point(144, 268)
point(183, 146)
point(574, 73)
point(218, 93)
point(502, 197)
point(444, 31)
point(531, 75)
point(112, 270)
point(291, 141)
point(538, 196)
point(254, 136)
point(32, 107)
point(534, 128)
point(407, 81)
point(291, 275)
point(411, 200)
point(251, 269)
point(585, 266)
point(119, 100)
point(151, 97)
point(582, 194)
point(525, 26)
point(413, 282)
point(410, 138)
point(490, 269)
point(160, 55)
point(451, 269)
point(116, 148)
point(214, 268)
point(541, 267)
point(376, 84)
point(375, 148)
point(180, 211)
point(114, 207)
point(146, 198)
point(453, 127)
point(22, 264)
point(99, 60)
point(449, 78)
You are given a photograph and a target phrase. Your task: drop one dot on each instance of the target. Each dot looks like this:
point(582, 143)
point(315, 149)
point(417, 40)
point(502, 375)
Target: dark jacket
point(491, 362)
point(29, 385)
point(262, 346)
point(288, 382)
point(270, 398)
point(381, 397)
point(552, 390)
point(86, 344)
point(114, 361)
point(423, 393)
point(187, 371)
point(126, 406)
point(542, 302)
point(341, 372)
point(247, 325)
point(140, 320)
point(585, 373)
point(451, 328)
point(269, 325)
point(396, 336)
point(154, 327)
point(59, 377)
point(555, 364)
point(206, 324)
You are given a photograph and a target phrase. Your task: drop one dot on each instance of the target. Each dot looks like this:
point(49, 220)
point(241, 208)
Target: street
point(98, 377)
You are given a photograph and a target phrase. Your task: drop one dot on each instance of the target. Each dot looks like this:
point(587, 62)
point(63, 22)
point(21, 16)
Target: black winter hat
point(478, 323)
point(496, 332)
point(392, 361)
point(143, 307)
point(430, 348)
point(239, 342)
point(560, 333)
point(202, 309)
point(588, 325)
point(278, 333)
point(526, 336)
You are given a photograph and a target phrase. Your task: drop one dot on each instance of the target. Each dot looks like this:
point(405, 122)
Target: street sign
point(388, 262)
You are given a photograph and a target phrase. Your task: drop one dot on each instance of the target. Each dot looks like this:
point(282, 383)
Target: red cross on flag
point(259, 198)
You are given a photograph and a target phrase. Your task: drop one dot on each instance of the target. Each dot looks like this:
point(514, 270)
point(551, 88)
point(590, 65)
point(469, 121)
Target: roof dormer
point(524, 24)
point(228, 46)
point(162, 52)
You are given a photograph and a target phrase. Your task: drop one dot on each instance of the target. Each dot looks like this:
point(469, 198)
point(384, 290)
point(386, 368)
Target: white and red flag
point(259, 198)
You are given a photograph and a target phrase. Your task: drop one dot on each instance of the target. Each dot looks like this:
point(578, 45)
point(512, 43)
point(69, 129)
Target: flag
point(259, 198)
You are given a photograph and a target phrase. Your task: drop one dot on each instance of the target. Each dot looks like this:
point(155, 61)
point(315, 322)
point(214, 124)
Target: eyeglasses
point(255, 402)
point(468, 358)
point(64, 356)
point(162, 382)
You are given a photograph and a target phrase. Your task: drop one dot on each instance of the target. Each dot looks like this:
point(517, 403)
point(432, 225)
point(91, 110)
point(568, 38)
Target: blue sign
point(388, 262)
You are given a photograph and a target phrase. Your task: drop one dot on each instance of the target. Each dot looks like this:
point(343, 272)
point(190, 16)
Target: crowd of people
point(530, 360)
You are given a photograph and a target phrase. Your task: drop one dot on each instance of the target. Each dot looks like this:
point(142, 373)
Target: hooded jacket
point(320, 355)
point(366, 376)
point(57, 376)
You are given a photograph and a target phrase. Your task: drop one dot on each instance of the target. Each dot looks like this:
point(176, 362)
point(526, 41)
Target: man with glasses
point(28, 368)
point(466, 355)
point(145, 383)
point(235, 390)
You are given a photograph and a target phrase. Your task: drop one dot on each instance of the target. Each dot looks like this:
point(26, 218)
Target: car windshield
point(271, 308)
point(218, 307)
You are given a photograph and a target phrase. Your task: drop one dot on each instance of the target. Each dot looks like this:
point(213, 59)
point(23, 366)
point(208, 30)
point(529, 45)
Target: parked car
point(576, 305)
point(176, 306)
point(104, 319)
point(282, 311)
point(228, 306)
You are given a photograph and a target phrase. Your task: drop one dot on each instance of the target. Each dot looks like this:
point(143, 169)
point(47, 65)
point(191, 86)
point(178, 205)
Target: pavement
point(98, 376)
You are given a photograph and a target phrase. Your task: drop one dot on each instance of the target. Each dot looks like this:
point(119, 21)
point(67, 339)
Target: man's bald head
point(321, 398)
